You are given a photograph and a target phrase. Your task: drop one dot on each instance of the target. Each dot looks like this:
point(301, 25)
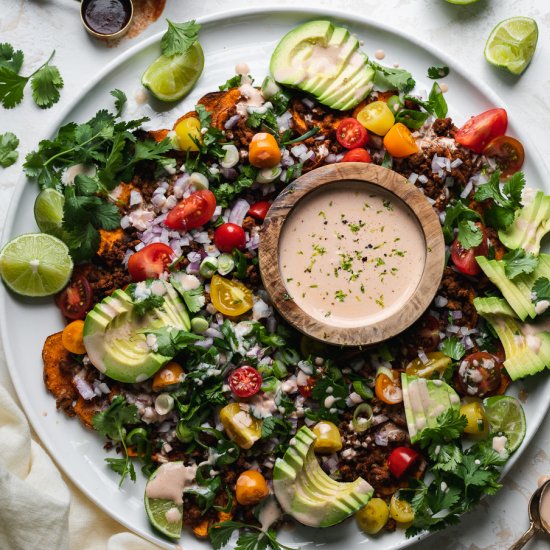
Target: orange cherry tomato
point(251, 488)
point(71, 337)
point(387, 389)
point(399, 141)
point(169, 375)
point(508, 153)
point(263, 151)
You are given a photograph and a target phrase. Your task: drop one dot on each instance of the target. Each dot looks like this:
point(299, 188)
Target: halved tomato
point(351, 134)
point(465, 258)
point(75, 299)
point(388, 389)
point(245, 381)
point(259, 210)
point(481, 129)
point(192, 212)
point(508, 153)
point(150, 262)
point(357, 155)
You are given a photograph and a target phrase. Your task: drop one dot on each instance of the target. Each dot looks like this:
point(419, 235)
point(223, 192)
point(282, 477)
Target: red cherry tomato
point(245, 381)
point(401, 459)
point(75, 299)
point(428, 335)
point(229, 236)
point(150, 262)
point(508, 152)
point(259, 210)
point(478, 374)
point(481, 129)
point(306, 389)
point(351, 134)
point(357, 155)
point(465, 258)
point(192, 212)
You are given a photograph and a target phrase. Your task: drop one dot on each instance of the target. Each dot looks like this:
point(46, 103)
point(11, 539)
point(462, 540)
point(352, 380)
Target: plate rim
point(214, 18)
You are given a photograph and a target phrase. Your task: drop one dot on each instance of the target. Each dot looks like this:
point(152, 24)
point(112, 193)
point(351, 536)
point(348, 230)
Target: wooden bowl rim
point(392, 182)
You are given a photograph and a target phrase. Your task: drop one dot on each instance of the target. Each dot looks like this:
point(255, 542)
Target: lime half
point(165, 515)
point(506, 416)
point(36, 264)
point(512, 44)
point(171, 78)
point(48, 211)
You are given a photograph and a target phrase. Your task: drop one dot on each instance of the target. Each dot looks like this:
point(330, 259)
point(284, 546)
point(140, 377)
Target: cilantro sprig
point(438, 72)
point(45, 81)
point(390, 78)
point(179, 37)
point(518, 261)
point(541, 289)
point(8, 149)
point(435, 105)
point(452, 347)
point(459, 215)
point(251, 537)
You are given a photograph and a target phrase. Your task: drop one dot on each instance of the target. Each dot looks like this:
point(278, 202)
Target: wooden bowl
point(355, 174)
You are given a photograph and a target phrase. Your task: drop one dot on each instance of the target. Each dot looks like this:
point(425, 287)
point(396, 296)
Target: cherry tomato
point(481, 129)
point(263, 151)
point(508, 152)
point(401, 459)
point(306, 389)
point(428, 335)
point(245, 381)
point(192, 212)
point(465, 258)
point(75, 299)
point(259, 210)
point(71, 337)
point(376, 117)
point(188, 132)
point(150, 262)
point(357, 155)
point(231, 298)
point(399, 141)
point(387, 389)
point(229, 236)
point(479, 374)
point(351, 134)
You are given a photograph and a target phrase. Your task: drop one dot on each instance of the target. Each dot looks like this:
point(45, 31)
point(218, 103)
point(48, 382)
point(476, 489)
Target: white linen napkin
point(39, 509)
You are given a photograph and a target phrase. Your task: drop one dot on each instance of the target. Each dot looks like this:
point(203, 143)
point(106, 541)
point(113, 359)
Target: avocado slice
point(324, 60)
point(115, 337)
point(532, 222)
point(424, 401)
point(307, 493)
point(526, 345)
point(518, 291)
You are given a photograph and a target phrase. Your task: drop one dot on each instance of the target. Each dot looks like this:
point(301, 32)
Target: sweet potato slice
point(221, 105)
point(109, 239)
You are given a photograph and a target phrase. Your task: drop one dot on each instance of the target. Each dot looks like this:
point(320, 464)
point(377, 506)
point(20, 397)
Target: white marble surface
point(38, 26)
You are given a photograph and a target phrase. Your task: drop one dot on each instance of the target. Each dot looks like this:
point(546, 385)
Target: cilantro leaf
point(437, 101)
point(112, 420)
point(389, 78)
point(194, 299)
point(450, 425)
point(82, 239)
point(8, 149)
point(120, 100)
point(123, 467)
point(452, 347)
point(10, 58)
point(45, 84)
point(85, 185)
point(438, 72)
point(411, 119)
point(144, 304)
point(453, 215)
point(150, 149)
point(179, 37)
point(220, 533)
point(445, 457)
point(11, 87)
point(518, 261)
point(469, 234)
point(541, 289)
point(233, 82)
point(170, 340)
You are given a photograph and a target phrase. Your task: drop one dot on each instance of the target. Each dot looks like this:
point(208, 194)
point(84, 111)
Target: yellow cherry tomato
point(239, 425)
point(251, 488)
point(170, 375)
point(376, 117)
point(328, 439)
point(71, 338)
point(372, 518)
point(399, 141)
point(188, 130)
point(263, 151)
point(401, 510)
point(478, 423)
point(231, 298)
point(437, 362)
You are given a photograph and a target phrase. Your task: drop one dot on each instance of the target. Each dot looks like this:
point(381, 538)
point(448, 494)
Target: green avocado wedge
point(307, 493)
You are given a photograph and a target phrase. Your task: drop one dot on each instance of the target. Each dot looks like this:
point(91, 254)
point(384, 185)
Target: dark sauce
point(106, 16)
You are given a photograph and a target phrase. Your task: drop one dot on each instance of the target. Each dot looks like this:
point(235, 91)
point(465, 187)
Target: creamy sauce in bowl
point(351, 254)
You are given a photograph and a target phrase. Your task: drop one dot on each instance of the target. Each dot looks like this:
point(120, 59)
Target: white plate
point(227, 39)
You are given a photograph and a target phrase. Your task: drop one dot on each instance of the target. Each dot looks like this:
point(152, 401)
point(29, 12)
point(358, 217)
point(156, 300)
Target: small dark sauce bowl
point(107, 19)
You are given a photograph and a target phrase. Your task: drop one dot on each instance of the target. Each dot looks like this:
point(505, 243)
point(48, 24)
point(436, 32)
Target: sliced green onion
point(208, 267)
point(362, 417)
point(307, 135)
point(136, 435)
point(270, 87)
point(269, 384)
point(164, 403)
point(279, 369)
point(231, 157)
point(386, 371)
point(199, 325)
point(226, 264)
point(362, 389)
point(198, 181)
point(267, 175)
point(183, 433)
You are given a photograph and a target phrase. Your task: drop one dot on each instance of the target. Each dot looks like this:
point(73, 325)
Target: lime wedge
point(165, 515)
point(48, 211)
point(36, 264)
point(512, 43)
point(506, 416)
point(171, 78)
